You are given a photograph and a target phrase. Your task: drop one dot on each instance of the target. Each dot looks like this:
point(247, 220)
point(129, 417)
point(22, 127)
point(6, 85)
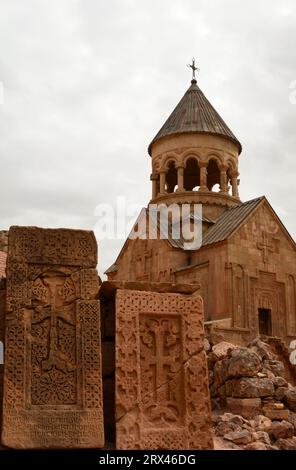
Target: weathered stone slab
point(276, 414)
point(52, 246)
point(246, 407)
point(162, 393)
point(52, 374)
point(108, 288)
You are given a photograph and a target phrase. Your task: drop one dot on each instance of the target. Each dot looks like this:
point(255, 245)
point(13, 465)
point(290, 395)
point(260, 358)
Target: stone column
point(154, 178)
point(162, 182)
point(180, 170)
point(223, 180)
point(234, 184)
point(203, 176)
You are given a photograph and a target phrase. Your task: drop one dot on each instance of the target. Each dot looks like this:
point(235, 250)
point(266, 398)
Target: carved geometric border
point(65, 247)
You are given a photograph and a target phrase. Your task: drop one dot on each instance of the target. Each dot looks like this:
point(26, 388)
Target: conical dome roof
point(194, 113)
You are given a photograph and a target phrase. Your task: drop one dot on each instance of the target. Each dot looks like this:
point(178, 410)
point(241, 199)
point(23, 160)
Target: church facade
point(246, 264)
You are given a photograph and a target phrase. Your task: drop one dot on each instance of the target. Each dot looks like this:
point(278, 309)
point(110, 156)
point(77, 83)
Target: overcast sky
point(87, 84)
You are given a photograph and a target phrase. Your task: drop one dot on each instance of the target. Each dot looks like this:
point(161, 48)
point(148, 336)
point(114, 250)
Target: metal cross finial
point(194, 69)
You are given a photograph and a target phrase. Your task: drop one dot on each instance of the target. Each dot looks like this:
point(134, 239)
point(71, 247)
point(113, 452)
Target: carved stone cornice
point(197, 197)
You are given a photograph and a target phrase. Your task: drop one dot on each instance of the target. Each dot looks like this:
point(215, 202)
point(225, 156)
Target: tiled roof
point(113, 269)
point(222, 228)
point(229, 221)
point(194, 113)
point(219, 231)
point(3, 257)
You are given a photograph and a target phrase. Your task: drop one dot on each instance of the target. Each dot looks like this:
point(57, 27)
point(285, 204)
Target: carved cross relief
point(143, 261)
point(161, 381)
point(53, 336)
point(266, 246)
point(161, 359)
point(53, 377)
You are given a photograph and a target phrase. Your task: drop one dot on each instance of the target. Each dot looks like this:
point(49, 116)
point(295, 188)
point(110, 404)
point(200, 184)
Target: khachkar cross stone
point(52, 374)
point(162, 393)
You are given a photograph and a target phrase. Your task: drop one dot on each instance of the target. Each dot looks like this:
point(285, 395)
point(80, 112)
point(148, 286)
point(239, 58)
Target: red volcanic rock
point(244, 363)
point(249, 387)
point(281, 429)
point(246, 407)
point(290, 398)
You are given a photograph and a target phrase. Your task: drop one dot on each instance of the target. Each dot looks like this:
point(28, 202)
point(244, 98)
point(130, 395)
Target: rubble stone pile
point(254, 406)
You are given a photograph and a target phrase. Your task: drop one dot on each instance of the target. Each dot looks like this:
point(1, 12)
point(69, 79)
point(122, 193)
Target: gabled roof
point(165, 235)
point(221, 230)
point(229, 221)
point(195, 114)
point(112, 269)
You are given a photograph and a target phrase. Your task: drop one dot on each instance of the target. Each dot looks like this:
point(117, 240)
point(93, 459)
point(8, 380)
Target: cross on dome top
point(194, 69)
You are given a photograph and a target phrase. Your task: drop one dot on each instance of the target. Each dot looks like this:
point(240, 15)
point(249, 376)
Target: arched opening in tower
point(213, 176)
point(171, 178)
point(229, 178)
point(191, 175)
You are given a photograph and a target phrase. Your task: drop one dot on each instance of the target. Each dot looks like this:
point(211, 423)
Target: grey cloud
point(89, 83)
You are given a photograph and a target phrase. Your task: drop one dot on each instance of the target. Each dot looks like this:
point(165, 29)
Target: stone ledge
point(108, 288)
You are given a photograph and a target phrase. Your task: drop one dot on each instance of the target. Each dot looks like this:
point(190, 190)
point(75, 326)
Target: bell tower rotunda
point(195, 157)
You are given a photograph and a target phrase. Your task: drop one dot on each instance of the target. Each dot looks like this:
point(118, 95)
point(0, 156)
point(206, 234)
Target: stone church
point(122, 364)
point(246, 264)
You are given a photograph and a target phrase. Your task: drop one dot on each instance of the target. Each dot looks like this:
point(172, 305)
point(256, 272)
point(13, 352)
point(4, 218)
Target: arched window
point(191, 175)
point(213, 175)
point(171, 177)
